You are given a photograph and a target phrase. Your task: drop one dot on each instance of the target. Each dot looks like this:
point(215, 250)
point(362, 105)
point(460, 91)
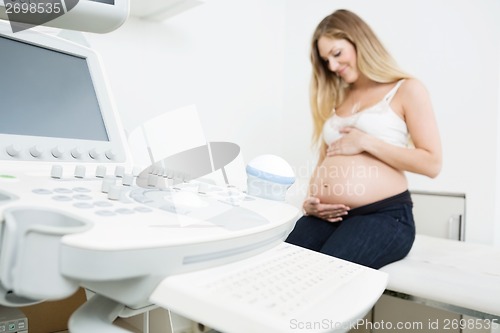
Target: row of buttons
point(62, 194)
point(61, 190)
point(123, 211)
point(109, 182)
point(14, 326)
point(37, 151)
point(56, 172)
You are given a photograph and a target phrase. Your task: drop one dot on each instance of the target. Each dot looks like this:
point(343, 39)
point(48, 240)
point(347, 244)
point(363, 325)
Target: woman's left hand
point(351, 142)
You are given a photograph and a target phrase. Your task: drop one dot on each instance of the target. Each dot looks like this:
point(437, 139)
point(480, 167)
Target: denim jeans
point(372, 239)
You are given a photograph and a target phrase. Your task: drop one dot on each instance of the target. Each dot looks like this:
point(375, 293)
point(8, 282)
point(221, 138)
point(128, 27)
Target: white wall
point(246, 66)
point(224, 56)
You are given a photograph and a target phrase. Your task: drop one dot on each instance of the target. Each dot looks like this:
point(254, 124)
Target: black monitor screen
point(47, 93)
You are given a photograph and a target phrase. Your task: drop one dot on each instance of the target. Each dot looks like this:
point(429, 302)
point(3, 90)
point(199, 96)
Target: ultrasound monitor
point(55, 102)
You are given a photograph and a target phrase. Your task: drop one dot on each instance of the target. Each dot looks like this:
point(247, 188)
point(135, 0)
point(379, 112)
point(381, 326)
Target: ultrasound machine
point(73, 213)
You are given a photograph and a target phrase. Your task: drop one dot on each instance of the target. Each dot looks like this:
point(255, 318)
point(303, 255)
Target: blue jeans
point(372, 237)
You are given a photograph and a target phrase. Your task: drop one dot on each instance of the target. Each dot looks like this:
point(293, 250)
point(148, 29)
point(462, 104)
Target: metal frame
point(443, 306)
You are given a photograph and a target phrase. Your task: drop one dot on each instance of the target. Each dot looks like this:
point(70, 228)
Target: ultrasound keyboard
point(274, 292)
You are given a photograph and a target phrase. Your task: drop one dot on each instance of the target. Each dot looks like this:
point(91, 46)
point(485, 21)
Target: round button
point(82, 197)
point(103, 204)
point(36, 151)
point(42, 191)
point(57, 152)
point(110, 154)
point(94, 153)
point(83, 205)
point(61, 198)
point(105, 213)
point(76, 152)
point(81, 189)
point(62, 190)
point(13, 150)
point(124, 211)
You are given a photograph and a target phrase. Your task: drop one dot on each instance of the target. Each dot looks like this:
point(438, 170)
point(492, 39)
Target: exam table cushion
point(451, 272)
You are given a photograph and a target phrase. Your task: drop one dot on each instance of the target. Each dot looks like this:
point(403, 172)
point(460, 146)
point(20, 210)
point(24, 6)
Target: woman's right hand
point(330, 212)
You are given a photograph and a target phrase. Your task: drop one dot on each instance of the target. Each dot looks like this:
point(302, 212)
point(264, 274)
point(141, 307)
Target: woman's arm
point(424, 158)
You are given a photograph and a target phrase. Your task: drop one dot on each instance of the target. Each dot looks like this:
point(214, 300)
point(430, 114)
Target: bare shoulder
point(413, 88)
point(411, 98)
point(415, 100)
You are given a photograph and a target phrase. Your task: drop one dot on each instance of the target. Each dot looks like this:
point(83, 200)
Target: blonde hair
point(327, 90)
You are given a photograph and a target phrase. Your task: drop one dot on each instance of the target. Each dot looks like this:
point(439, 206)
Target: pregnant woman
point(372, 123)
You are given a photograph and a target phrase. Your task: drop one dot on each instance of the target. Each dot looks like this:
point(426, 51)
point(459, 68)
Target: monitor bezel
point(113, 126)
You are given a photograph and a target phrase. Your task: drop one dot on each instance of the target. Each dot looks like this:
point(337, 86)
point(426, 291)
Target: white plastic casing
point(88, 15)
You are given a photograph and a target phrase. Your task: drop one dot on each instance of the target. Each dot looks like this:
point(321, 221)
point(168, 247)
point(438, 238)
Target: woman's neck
point(362, 83)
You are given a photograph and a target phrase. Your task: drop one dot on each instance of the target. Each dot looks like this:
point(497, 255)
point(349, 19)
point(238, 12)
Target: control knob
point(13, 150)
point(94, 154)
point(57, 152)
point(110, 154)
point(35, 151)
point(76, 152)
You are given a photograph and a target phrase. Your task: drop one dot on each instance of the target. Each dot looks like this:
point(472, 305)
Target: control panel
point(98, 226)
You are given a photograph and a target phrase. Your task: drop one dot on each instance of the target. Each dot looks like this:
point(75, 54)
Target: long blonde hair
point(327, 90)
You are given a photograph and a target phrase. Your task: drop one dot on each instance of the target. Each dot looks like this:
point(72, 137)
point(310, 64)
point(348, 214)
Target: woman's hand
point(330, 212)
point(351, 143)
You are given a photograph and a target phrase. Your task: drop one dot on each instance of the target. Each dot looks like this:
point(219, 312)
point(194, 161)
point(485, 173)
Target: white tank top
point(378, 120)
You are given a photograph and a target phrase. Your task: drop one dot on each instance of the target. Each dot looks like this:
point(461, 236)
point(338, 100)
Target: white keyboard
point(286, 280)
point(276, 291)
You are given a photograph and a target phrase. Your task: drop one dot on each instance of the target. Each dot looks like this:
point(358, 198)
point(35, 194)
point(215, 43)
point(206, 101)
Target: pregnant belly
point(356, 180)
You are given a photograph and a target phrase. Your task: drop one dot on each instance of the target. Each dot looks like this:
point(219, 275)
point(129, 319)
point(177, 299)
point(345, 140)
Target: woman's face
point(340, 57)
